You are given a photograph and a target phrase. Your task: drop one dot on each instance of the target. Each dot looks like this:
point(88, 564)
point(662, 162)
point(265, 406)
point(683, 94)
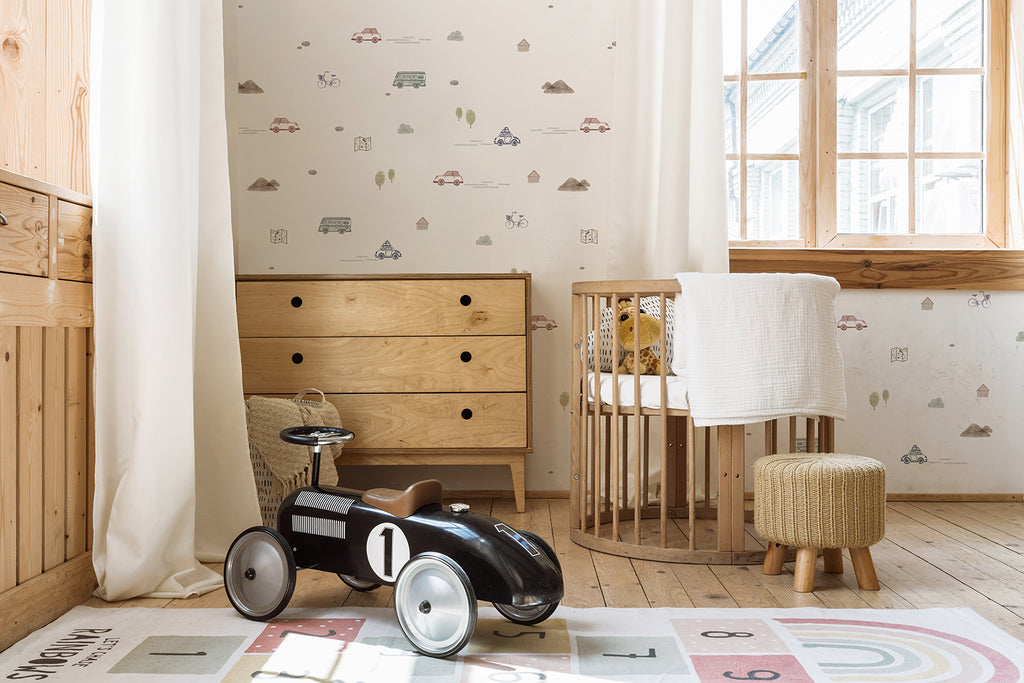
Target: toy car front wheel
point(358, 584)
point(259, 573)
point(435, 604)
point(537, 614)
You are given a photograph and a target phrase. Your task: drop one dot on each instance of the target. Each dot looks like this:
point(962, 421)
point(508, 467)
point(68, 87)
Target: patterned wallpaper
point(409, 137)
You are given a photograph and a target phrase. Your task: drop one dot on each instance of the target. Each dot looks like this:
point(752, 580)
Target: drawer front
point(74, 242)
point(24, 240)
point(384, 364)
point(433, 420)
point(353, 308)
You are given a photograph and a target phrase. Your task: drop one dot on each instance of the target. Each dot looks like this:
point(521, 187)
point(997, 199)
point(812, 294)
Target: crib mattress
point(650, 390)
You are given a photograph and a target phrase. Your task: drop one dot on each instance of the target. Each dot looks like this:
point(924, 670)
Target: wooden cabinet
point(43, 233)
point(425, 369)
point(47, 454)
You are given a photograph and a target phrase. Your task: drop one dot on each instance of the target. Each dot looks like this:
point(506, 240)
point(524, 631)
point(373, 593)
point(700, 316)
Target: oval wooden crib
point(644, 482)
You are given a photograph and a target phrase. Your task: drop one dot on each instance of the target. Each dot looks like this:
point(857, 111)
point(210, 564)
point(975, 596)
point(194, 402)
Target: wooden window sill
point(994, 269)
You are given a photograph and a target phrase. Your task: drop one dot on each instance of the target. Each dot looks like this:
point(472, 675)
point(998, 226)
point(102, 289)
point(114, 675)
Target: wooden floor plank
point(582, 588)
point(619, 582)
point(702, 586)
point(744, 583)
point(660, 584)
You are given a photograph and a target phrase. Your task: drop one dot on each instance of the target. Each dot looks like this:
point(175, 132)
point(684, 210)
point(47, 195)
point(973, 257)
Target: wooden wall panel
point(76, 396)
point(44, 94)
point(67, 88)
point(8, 457)
point(30, 453)
point(54, 465)
point(22, 91)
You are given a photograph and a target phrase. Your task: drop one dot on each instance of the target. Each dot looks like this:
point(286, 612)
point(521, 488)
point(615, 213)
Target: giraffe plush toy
point(637, 334)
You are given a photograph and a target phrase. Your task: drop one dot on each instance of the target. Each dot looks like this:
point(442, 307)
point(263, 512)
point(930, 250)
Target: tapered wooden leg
point(864, 568)
point(833, 560)
point(803, 572)
point(774, 559)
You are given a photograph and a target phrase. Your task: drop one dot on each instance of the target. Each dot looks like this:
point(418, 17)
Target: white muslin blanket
point(759, 347)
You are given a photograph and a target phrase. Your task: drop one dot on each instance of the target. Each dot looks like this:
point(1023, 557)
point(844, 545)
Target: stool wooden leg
point(864, 568)
point(803, 572)
point(774, 559)
point(833, 560)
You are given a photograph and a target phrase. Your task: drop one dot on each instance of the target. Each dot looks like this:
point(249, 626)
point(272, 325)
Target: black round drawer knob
point(296, 358)
point(466, 356)
point(466, 300)
point(296, 301)
point(466, 413)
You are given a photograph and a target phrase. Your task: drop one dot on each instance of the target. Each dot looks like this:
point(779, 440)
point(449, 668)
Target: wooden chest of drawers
point(425, 369)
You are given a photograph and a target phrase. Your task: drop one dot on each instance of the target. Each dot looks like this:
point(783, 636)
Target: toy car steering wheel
point(316, 436)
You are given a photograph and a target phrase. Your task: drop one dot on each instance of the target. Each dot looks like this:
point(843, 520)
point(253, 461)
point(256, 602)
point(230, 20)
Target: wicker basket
point(271, 490)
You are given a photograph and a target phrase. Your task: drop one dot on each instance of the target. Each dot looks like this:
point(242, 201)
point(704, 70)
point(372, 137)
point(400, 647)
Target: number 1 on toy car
point(387, 550)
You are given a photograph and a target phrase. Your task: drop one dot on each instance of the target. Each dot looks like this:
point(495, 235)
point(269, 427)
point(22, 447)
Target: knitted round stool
point(825, 501)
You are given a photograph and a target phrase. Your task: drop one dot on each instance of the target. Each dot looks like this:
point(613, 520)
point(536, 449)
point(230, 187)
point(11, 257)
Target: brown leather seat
point(405, 503)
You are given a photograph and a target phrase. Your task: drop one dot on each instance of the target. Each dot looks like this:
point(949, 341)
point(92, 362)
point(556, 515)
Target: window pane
point(872, 114)
point(732, 180)
point(949, 34)
point(874, 34)
point(950, 114)
point(949, 197)
point(872, 196)
point(773, 206)
point(772, 28)
point(773, 117)
point(732, 118)
point(731, 50)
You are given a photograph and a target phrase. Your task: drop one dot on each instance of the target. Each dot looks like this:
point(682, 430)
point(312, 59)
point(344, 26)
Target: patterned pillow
point(648, 304)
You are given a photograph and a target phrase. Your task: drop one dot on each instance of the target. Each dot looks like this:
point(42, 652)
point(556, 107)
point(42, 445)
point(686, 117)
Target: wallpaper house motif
point(405, 116)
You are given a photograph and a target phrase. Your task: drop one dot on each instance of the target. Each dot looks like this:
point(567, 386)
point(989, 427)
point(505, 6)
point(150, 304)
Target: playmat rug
point(664, 644)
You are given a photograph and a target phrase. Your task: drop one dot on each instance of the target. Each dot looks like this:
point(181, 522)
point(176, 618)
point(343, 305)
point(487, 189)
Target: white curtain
point(668, 211)
point(173, 480)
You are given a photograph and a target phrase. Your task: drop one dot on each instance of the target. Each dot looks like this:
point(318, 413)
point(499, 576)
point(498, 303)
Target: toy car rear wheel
point(358, 584)
point(435, 604)
point(259, 573)
point(537, 614)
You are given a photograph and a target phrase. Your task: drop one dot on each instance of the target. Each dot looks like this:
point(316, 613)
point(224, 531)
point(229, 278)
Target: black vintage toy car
point(440, 561)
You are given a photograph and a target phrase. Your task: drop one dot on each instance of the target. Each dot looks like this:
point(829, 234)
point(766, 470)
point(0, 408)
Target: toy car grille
point(318, 527)
point(323, 501)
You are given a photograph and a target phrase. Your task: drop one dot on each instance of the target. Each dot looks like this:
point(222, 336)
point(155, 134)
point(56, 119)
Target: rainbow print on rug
point(643, 645)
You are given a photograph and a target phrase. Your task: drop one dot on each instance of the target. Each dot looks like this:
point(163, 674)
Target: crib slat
point(663, 414)
point(792, 434)
point(595, 482)
point(810, 436)
point(636, 421)
point(707, 468)
point(615, 425)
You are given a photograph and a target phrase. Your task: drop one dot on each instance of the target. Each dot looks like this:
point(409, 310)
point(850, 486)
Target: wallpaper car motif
point(453, 177)
point(370, 34)
point(281, 123)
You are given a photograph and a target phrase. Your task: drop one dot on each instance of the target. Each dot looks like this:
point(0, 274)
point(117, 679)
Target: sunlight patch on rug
point(575, 645)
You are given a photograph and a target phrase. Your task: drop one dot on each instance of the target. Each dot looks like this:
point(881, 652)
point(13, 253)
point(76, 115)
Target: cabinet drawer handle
point(3, 219)
point(466, 413)
point(296, 301)
point(296, 358)
point(465, 300)
point(466, 356)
